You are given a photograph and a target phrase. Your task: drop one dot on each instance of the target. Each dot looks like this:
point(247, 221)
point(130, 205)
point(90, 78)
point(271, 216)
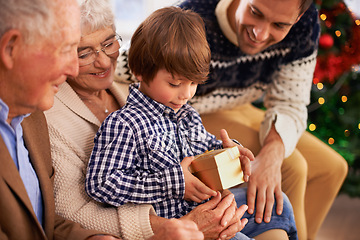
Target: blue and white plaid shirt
point(137, 153)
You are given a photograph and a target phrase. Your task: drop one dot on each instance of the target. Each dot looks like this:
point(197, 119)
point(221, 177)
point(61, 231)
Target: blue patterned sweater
point(245, 70)
point(281, 75)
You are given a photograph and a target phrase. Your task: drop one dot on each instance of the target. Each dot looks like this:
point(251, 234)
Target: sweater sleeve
point(286, 100)
point(72, 202)
point(134, 221)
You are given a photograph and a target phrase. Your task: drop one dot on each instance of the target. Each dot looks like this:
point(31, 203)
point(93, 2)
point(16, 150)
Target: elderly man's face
point(43, 66)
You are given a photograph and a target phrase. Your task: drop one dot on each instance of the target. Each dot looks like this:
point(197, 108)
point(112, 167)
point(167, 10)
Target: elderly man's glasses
point(109, 47)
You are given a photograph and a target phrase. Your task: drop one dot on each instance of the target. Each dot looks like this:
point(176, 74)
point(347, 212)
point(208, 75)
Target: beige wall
point(130, 13)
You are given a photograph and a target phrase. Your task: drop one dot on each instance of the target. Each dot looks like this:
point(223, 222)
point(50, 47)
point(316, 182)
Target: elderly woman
point(80, 106)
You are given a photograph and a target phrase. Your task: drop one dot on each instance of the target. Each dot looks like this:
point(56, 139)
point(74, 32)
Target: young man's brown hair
point(172, 39)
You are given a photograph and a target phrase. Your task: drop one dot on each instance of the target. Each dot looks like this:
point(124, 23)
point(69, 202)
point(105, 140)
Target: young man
point(268, 48)
point(140, 153)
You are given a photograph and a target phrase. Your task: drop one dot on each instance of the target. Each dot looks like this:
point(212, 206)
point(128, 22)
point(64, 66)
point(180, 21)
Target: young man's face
point(172, 92)
point(262, 23)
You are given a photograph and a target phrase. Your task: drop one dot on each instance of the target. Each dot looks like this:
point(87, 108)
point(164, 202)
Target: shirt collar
point(4, 113)
point(136, 97)
point(221, 15)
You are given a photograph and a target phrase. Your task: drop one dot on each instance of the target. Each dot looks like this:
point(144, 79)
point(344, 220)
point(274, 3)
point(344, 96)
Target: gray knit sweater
point(72, 127)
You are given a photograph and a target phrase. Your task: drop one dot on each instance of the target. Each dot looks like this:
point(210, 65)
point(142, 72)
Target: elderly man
point(37, 52)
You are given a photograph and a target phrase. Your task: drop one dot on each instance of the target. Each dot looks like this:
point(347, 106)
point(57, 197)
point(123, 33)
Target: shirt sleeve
point(115, 174)
point(201, 140)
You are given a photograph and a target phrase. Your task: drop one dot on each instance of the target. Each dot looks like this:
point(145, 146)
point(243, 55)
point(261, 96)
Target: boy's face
point(262, 23)
point(172, 92)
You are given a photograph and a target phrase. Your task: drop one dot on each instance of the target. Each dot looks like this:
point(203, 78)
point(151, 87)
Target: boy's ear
point(9, 45)
point(139, 77)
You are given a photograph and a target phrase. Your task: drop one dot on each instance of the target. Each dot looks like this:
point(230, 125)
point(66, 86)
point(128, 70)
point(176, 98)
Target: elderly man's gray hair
point(33, 18)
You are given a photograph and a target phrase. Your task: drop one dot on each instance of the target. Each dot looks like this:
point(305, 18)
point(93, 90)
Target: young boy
point(138, 149)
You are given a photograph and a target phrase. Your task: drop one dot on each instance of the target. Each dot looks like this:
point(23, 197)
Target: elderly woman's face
point(99, 74)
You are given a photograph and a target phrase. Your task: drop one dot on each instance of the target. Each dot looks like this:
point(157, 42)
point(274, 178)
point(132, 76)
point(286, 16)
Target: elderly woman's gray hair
point(33, 18)
point(95, 15)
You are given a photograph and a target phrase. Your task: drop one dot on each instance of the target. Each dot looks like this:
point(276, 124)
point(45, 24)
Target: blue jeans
point(285, 221)
point(241, 236)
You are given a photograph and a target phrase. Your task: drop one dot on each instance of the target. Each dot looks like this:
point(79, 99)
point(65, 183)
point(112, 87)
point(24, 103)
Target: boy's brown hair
point(172, 39)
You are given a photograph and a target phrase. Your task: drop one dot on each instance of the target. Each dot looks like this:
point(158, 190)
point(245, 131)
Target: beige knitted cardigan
point(72, 127)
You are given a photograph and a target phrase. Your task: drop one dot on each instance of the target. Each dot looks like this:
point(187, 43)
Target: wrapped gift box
point(218, 169)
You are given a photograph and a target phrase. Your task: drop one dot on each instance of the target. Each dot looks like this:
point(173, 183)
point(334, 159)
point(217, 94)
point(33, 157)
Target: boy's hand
point(245, 154)
point(195, 190)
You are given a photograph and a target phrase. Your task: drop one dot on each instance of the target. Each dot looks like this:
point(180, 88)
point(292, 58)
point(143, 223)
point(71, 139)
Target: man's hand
point(177, 229)
point(195, 190)
point(245, 154)
point(265, 180)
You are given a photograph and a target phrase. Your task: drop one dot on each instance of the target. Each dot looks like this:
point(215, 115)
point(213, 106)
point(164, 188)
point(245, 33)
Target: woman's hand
point(234, 225)
point(179, 229)
point(246, 156)
point(217, 218)
point(195, 190)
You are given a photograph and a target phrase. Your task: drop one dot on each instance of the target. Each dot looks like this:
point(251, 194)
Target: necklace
point(97, 104)
point(106, 102)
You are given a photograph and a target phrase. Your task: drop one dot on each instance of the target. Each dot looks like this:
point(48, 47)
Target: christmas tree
point(334, 112)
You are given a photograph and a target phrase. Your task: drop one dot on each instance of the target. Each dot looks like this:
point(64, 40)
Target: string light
point(344, 99)
point(321, 100)
point(323, 17)
point(337, 33)
point(357, 22)
point(331, 141)
point(347, 133)
point(320, 86)
point(312, 127)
